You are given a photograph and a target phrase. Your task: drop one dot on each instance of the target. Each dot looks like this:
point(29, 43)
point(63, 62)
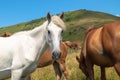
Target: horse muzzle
point(56, 55)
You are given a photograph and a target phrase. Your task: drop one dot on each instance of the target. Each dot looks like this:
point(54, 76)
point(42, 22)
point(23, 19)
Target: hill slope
point(76, 22)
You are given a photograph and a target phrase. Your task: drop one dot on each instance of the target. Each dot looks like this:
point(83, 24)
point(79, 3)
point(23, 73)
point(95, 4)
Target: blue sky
point(17, 11)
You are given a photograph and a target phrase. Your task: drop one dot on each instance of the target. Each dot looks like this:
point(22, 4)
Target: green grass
point(77, 22)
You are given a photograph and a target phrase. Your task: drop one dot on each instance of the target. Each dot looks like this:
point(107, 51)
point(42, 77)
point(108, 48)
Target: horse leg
point(57, 70)
point(16, 74)
point(117, 68)
point(26, 78)
point(89, 70)
point(63, 70)
point(103, 76)
point(91, 73)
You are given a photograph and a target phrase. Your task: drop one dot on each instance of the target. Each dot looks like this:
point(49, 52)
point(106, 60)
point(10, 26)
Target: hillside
point(76, 22)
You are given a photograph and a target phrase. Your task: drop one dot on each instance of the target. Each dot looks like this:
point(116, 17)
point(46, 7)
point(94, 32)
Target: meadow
point(47, 73)
point(77, 22)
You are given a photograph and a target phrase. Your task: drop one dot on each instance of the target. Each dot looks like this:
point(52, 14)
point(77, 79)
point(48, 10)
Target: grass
point(77, 22)
point(47, 73)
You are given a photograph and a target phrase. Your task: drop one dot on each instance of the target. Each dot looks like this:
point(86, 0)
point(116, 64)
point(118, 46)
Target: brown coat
point(101, 47)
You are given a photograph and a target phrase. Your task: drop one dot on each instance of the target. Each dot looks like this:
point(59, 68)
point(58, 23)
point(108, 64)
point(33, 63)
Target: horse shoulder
point(95, 48)
point(24, 49)
point(94, 41)
point(111, 38)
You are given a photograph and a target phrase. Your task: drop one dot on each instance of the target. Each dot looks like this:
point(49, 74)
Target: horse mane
point(91, 28)
point(58, 21)
point(55, 19)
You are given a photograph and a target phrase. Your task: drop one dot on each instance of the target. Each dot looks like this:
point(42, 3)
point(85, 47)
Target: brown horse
point(59, 66)
point(73, 45)
point(5, 34)
point(101, 47)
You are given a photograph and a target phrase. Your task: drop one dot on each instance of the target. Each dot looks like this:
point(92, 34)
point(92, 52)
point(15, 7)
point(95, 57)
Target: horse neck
point(38, 34)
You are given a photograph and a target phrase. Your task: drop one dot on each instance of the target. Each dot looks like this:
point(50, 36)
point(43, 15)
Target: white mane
point(56, 20)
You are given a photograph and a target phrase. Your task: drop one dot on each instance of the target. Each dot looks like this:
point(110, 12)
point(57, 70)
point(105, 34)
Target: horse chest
point(5, 58)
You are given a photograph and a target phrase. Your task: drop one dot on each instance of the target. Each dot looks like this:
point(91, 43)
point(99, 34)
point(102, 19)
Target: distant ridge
point(76, 22)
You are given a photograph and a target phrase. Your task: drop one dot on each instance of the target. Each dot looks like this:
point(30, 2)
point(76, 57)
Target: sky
point(17, 11)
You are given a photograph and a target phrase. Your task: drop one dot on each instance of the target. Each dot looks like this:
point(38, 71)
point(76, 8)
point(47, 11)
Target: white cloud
point(118, 15)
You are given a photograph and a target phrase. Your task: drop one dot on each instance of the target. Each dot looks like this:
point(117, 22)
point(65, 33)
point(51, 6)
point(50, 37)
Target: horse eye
point(48, 32)
point(62, 31)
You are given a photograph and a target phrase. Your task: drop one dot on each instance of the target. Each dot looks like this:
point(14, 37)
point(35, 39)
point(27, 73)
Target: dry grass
point(47, 73)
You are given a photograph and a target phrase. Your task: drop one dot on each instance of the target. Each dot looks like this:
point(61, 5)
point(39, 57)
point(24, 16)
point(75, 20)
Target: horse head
point(73, 45)
point(83, 66)
point(55, 28)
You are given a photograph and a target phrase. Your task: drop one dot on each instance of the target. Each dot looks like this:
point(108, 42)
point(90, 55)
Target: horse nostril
point(53, 55)
point(59, 55)
point(56, 55)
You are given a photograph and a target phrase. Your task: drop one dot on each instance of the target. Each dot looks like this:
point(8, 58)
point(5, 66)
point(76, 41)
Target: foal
point(73, 45)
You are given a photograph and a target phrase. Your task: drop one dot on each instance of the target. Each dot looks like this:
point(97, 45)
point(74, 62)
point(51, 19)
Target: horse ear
point(62, 15)
point(48, 16)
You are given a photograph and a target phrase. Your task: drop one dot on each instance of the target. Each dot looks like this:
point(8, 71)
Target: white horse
point(20, 52)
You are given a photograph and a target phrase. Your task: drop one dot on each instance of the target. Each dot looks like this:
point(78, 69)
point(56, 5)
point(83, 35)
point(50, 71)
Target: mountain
point(76, 21)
